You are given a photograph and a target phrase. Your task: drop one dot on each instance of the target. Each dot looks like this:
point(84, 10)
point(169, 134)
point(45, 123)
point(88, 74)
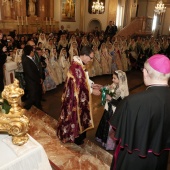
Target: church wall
point(70, 26)
point(102, 18)
point(166, 23)
point(146, 8)
point(83, 17)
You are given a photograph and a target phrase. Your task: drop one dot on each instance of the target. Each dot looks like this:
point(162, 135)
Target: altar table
point(30, 156)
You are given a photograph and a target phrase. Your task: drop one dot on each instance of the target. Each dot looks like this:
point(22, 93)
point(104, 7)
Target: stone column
point(128, 12)
point(82, 14)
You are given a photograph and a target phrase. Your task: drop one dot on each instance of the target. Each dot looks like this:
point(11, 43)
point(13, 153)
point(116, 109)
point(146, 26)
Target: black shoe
point(79, 142)
point(43, 100)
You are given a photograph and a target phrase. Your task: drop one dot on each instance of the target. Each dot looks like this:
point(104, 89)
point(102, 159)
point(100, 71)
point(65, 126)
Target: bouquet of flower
point(110, 90)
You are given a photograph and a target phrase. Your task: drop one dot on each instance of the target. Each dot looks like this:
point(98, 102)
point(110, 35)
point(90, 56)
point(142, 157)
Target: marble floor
point(90, 155)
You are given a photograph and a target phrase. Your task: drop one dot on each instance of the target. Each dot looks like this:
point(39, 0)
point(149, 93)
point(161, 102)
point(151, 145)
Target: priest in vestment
point(76, 111)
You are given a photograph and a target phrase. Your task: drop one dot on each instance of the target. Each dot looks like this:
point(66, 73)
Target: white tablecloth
point(30, 156)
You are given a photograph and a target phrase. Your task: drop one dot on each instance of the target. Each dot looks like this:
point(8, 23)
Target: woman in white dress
point(96, 42)
point(56, 66)
point(105, 59)
point(125, 61)
point(133, 49)
point(97, 61)
point(156, 48)
point(73, 51)
point(118, 56)
point(63, 42)
point(50, 44)
point(72, 39)
point(42, 39)
point(84, 42)
point(108, 41)
point(50, 81)
point(64, 62)
point(113, 56)
point(90, 68)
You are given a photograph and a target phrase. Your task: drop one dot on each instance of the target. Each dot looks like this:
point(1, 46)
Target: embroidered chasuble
point(76, 115)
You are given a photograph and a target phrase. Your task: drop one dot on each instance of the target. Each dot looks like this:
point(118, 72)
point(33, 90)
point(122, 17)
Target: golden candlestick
point(15, 122)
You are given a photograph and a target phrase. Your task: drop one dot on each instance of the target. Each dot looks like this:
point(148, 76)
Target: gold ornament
point(15, 122)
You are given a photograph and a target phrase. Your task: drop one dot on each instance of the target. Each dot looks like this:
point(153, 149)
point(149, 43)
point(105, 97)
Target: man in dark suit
point(109, 30)
point(114, 28)
point(32, 78)
point(61, 32)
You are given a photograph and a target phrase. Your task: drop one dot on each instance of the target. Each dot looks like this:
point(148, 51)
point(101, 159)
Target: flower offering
point(107, 90)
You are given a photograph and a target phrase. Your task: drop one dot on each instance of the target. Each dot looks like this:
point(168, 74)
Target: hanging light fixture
point(160, 8)
point(97, 7)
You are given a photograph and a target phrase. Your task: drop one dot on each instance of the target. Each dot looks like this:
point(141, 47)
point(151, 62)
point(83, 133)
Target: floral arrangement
point(110, 90)
point(4, 105)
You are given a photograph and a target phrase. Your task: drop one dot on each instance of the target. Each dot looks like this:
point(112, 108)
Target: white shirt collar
point(77, 59)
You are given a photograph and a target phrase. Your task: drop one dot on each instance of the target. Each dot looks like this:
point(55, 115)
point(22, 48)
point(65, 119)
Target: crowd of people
point(47, 60)
point(111, 53)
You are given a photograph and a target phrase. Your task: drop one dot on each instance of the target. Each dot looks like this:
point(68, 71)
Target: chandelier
point(160, 8)
point(97, 7)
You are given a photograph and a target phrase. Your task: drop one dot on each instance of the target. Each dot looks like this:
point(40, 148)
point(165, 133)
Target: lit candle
point(17, 20)
point(22, 22)
point(26, 20)
point(50, 21)
point(46, 20)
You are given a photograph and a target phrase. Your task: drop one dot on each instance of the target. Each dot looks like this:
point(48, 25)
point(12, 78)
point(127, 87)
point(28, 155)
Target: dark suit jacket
point(142, 123)
point(3, 57)
point(31, 72)
point(32, 78)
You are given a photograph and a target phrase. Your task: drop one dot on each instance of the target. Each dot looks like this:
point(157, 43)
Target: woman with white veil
point(105, 59)
point(56, 66)
point(97, 61)
point(64, 63)
point(42, 39)
point(73, 51)
point(119, 89)
point(50, 81)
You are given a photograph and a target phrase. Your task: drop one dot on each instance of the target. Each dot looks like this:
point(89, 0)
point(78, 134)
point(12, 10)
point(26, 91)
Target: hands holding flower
point(96, 89)
point(108, 92)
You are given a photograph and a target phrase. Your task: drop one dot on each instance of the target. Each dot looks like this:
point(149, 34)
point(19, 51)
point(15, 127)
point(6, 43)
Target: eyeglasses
point(90, 57)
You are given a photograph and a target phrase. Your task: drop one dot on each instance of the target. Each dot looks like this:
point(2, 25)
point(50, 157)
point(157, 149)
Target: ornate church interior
point(59, 29)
